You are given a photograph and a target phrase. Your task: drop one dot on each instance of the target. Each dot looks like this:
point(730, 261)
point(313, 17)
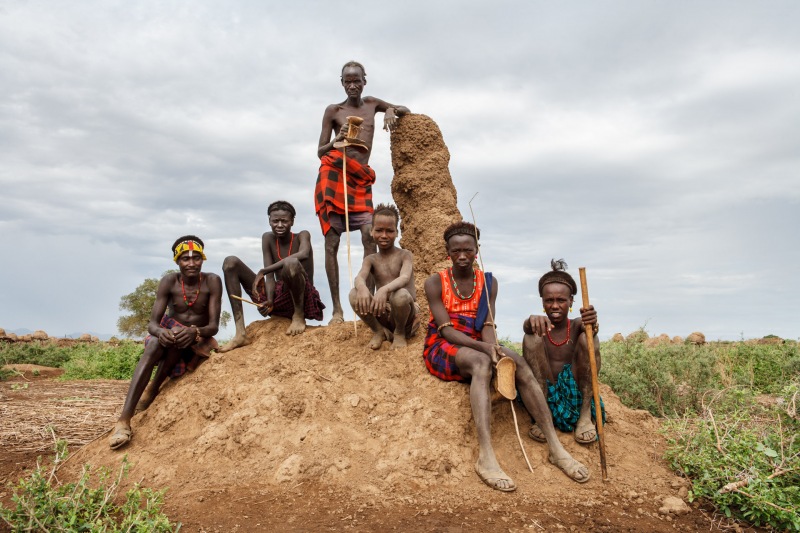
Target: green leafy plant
point(40, 503)
point(741, 456)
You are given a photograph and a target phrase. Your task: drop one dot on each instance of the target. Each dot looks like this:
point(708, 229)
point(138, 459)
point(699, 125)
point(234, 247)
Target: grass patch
point(95, 360)
point(40, 503)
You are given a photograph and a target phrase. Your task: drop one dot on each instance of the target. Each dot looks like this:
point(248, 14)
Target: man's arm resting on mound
point(433, 291)
point(391, 112)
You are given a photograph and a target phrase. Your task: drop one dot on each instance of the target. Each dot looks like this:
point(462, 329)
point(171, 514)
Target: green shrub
point(94, 360)
point(40, 504)
point(104, 362)
point(742, 457)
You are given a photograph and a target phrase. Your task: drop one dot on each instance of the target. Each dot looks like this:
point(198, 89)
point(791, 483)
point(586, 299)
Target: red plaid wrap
point(329, 191)
point(201, 348)
point(440, 355)
point(282, 304)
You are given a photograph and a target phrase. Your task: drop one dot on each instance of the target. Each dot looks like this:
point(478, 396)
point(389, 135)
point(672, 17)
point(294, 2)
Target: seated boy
point(285, 286)
point(392, 312)
point(556, 349)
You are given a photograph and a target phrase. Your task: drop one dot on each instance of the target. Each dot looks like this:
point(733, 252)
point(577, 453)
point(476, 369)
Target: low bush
point(42, 504)
point(96, 360)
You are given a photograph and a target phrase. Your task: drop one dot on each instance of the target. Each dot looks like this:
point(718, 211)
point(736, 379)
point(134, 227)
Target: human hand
point(265, 308)
point(259, 287)
point(390, 119)
point(166, 337)
point(540, 325)
point(342, 133)
point(588, 316)
point(363, 300)
point(184, 337)
point(378, 307)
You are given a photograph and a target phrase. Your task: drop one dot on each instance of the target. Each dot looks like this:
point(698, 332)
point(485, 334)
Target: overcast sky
point(655, 143)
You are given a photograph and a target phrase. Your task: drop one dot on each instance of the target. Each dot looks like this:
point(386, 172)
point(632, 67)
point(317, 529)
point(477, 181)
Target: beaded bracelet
point(197, 336)
point(596, 327)
point(440, 328)
point(487, 323)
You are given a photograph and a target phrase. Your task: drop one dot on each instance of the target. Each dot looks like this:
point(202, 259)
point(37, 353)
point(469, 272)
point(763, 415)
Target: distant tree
point(139, 304)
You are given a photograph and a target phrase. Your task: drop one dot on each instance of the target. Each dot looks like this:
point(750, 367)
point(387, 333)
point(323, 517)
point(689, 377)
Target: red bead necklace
point(196, 295)
point(562, 343)
point(455, 285)
point(278, 246)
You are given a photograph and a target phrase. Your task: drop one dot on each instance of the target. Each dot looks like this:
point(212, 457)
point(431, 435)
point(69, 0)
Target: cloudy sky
point(655, 143)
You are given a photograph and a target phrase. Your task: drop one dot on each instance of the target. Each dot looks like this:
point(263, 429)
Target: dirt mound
point(373, 432)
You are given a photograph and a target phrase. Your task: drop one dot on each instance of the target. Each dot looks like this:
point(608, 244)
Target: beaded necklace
point(278, 246)
point(196, 295)
point(562, 343)
point(455, 285)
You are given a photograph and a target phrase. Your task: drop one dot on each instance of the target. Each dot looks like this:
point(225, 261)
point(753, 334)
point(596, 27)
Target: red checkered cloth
point(329, 191)
point(282, 304)
point(202, 348)
point(440, 355)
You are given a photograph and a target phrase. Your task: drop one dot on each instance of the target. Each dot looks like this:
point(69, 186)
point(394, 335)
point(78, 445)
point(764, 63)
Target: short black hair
point(558, 274)
point(389, 210)
point(462, 228)
point(354, 64)
point(281, 205)
point(186, 238)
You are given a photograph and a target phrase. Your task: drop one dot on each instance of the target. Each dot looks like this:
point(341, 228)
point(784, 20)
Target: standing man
point(329, 190)
point(178, 338)
point(289, 269)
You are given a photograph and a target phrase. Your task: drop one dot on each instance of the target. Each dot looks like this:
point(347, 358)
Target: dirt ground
point(322, 434)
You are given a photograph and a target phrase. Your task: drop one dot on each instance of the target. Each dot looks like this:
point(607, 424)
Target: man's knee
point(352, 297)
point(291, 268)
point(400, 297)
point(533, 349)
point(366, 235)
point(231, 263)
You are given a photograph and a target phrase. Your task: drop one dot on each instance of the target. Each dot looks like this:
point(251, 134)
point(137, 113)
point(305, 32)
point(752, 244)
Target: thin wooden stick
point(347, 231)
point(246, 300)
point(595, 385)
point(494, 328)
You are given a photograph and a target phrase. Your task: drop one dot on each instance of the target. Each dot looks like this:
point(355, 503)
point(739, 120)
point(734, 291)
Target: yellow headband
point(188, 246)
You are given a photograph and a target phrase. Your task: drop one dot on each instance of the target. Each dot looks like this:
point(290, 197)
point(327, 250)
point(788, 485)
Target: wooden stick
point(347, 230)
point(246, 300)
point(494, 328)
point(595, 385)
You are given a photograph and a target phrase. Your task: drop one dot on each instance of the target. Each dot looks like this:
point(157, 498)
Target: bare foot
point(297, 326)
point(399, 342)
point(237, 341)
point(585, 432)
point(376, 340)
point(572, 468)
point(338, 318)
point(120, 436)
point(495, 478)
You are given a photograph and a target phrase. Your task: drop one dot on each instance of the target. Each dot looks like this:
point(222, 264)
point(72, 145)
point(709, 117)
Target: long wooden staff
point(497, 343)
point(347, 231)
point(595, 385)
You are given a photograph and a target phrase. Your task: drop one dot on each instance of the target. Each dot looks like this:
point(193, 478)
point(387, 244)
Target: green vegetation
point(139, 305)
point(81, 360)
point(732, 428)
point(42, 504)
point(670, 379)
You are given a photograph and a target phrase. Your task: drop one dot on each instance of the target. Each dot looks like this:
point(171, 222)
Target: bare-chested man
point(289, 269)
point(461, 346)
point(555, 347)
point(329, 190)
point(179, 338)
point(392, 312)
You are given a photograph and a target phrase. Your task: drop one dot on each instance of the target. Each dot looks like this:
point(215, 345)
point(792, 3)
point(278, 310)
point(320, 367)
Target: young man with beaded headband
point(183, 322)
point(461, 346)
point(392, 312)
point(329, 199)
point(556, 349)
point(288, 290)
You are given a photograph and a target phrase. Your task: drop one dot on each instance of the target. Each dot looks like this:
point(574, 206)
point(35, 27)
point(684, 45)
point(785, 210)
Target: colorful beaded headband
point(188, 246)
